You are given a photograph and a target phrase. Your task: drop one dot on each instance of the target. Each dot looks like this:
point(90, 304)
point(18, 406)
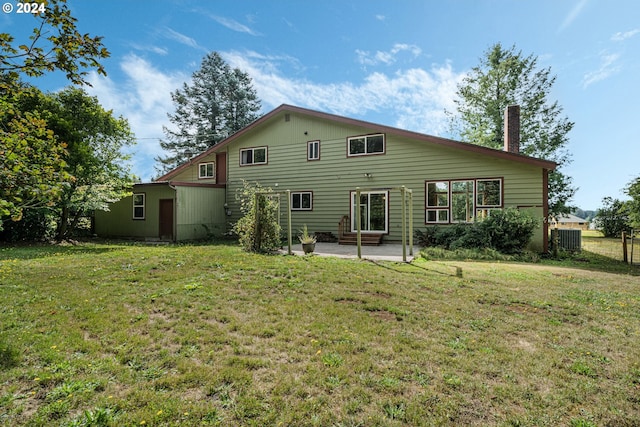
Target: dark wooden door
point(166, 219)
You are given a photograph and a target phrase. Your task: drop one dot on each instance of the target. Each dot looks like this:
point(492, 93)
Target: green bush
point(507, 231)
point(262, 235)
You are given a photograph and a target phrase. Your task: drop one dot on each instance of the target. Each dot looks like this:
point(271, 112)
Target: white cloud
point(608, 67)
point(180, 38)
point(620, 36)
point(233, 25)
point(572, 15)
point(412, 99)
point(381, 17)
point(150, 48)
point(388, 57)
point(144, 99)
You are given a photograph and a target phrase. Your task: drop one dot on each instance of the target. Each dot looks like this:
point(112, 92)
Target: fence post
point(625, 257)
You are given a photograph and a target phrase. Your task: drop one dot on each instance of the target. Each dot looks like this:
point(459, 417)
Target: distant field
point(593, 241)
point(133, 335)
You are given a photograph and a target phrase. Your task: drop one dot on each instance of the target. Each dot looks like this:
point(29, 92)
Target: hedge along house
point(323, 158)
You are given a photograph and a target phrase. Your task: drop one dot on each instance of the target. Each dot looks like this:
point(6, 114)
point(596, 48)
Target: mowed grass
point(124, 335)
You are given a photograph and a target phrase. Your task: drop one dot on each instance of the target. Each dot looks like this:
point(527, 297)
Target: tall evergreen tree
point(506, 77)
point(218, 102)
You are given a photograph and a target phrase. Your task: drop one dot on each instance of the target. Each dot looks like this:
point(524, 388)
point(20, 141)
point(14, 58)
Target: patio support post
point(410, 222)
point(289, 220)
point(358, 223)
point(404, 223)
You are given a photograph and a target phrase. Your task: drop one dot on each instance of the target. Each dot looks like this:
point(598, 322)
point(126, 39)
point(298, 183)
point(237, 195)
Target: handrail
point(341, 226)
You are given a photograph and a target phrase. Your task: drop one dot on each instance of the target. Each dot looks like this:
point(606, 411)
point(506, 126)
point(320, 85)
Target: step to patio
point(365, 239)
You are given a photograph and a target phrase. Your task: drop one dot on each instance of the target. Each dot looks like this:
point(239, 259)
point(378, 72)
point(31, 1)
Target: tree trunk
point(61, 232)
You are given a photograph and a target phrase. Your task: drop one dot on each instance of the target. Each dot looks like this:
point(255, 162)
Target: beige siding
point(199, 212)
point(406, 162)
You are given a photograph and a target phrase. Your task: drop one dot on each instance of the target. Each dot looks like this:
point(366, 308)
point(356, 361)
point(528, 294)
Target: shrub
point(260, 235)
point(507, 231)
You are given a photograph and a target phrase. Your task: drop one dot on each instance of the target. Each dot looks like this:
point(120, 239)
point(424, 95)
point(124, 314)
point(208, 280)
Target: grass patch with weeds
point(111, 334)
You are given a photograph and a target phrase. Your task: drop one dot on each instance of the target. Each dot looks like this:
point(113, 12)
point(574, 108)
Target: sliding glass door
point(374, 211)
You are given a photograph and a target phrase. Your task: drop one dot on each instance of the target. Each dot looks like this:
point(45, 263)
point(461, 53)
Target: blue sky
point(394, 62)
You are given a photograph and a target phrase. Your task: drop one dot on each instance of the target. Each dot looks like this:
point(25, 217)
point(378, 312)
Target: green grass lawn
point(130, 335)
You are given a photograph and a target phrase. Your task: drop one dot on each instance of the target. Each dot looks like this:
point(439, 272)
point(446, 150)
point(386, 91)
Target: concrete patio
point(384, 252)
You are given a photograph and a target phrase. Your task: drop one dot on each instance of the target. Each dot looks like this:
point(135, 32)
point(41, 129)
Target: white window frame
point(501, 189)
point(470, 211)
point(477, 211)
point(301, 194)
point(313, 150)
point(366, 145)
point(386, 211)
point(139, 205)
point(206, 175)
point(253, 156)
point(437, 208)
point(439, 219)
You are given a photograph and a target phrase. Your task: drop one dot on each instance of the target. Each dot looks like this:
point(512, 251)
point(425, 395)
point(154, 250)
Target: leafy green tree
point(506, 77)
point(32, 171)
point(218, 102)
point(54, 44)
point(32, 165)
point(95, 141)
point(613, 218)
point(633, 206)
point(93, 168)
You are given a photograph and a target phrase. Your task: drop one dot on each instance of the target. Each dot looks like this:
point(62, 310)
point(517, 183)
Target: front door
point(166, 219)
point(374, 212)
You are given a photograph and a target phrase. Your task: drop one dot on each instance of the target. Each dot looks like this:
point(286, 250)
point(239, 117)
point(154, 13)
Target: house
point(569, 221)
point(322, 159)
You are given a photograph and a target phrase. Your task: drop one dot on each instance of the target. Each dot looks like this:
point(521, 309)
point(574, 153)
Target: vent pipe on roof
point(512, 129)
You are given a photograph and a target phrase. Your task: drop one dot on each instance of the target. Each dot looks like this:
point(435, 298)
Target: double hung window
point(138, 206)
point(313, 150)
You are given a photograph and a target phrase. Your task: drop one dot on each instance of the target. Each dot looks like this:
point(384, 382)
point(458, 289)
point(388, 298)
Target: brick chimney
point(512, 129)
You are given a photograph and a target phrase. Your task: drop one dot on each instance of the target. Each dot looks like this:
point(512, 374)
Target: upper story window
point(313, 150)
point(207, 170)
point(138, 205)
point(253, 156)
point(364, 145)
